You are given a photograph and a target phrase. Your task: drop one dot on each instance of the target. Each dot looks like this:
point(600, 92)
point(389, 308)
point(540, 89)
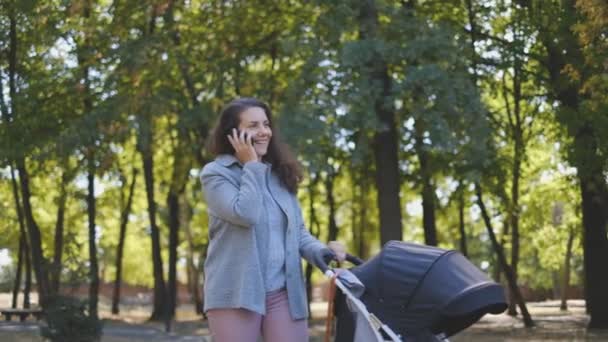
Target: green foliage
point(159, 74)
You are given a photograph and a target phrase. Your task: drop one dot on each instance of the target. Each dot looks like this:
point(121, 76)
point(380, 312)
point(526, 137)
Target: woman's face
point(255, 122)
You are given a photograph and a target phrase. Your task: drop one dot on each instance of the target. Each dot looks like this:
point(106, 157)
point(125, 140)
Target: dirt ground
point(131, 326)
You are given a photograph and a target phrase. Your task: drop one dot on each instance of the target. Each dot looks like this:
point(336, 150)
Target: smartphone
point(246, 136)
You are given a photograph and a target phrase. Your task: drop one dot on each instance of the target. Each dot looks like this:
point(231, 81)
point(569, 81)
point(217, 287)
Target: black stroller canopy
point(417, 290)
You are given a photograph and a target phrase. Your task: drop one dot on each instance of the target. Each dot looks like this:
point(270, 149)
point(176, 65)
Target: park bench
point(22, 313)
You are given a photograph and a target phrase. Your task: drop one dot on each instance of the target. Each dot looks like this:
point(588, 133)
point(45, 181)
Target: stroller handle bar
point(350, 258)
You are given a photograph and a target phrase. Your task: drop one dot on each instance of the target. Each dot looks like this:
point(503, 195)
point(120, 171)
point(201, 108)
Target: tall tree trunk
point(502, 260)
point(428, 189)
point(40, 262)
point(566, 275)
point(385, 143)
point(595, 242)
point(182, 162)
point(124, 220)
point(145, 146)
point(332, 227)
point(461, 223)
point(27, 287)
point(23, 250)
point(17, 284)
point(364, 221)
point(514, 209)
point(84, 61)
point(59, 226)
point(585, 157)
point(515, 124)
point(91, 211)
point(160, 306)
point(174, 224)
point(179, 178)
point(194, 285)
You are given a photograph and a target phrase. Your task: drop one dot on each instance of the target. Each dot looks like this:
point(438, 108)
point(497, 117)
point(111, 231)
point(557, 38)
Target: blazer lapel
point(281, 196)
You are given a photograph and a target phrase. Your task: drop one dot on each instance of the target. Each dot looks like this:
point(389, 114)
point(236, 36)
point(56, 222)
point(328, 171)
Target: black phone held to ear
point(245, 136)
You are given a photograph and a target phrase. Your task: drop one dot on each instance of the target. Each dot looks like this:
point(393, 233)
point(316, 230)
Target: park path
point(552, 325)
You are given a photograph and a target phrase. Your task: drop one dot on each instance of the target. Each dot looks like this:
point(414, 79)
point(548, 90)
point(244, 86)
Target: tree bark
point(92, 212)
point(461, 223)
point(428, 189)
point(566, 276)
point(28, 274)
point(59, 227)
point(508, 272)
point(160, 301)
point(124, 220)
point(385, 145)
point(595, 242)
point(194, 285)
point(23, 250)
point(332, 227)
point(17, 283)
point(585, 157)
point(40, 262)
point(174, 224)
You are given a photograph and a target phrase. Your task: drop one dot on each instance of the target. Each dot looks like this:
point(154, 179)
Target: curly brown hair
point(279, 155)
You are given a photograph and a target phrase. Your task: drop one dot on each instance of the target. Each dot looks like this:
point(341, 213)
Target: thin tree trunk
point(332, 227)
point(17, 283)
point(160, 293)
point(91, 211)
point(22, 237)
point(179, 178)
point(385, 144)
point(83, 62)
point(27, 287)
point(516, 130)
point(174, 224)
point(193, 271)
point(566, 275)
point(146, 134)
point(124, 220)
point(182, 162)
point(40, 262)
point(59, 227)
point(364, 222)
point(428, 189)
point(508, 272)
point(461, 223)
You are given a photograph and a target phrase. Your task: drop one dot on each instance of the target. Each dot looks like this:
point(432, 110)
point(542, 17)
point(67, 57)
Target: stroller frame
point(375, 323)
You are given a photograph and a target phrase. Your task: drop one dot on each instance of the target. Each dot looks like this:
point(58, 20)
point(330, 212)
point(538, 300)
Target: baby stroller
point(412, 293)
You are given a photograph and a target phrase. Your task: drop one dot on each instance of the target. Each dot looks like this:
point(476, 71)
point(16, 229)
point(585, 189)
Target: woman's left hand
point(339, 248)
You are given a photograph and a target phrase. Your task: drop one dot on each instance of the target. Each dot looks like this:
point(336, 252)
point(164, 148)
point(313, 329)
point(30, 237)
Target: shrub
point(67, 320)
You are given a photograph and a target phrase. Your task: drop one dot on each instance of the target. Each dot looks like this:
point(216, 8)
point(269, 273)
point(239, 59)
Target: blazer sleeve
point(309, 245)
point(239, 204)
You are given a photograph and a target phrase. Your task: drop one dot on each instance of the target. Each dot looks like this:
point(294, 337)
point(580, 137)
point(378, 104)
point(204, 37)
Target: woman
point(254, 281)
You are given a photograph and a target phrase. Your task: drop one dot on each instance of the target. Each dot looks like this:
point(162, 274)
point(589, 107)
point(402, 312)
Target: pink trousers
point(241, 325)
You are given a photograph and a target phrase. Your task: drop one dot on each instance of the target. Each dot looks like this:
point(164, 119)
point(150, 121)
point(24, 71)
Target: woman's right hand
point(243, 146)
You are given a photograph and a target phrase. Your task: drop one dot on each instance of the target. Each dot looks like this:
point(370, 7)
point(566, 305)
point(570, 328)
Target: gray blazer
point(238, 237)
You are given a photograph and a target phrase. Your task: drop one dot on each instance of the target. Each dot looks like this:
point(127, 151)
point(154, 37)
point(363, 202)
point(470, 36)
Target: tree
point(583, 119)
point(124, 220)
